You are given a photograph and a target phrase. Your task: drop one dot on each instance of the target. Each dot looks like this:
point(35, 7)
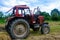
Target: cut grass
point(4, 36)
point(54, 31)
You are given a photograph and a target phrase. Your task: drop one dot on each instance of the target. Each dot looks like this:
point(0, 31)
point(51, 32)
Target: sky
point(44, 5)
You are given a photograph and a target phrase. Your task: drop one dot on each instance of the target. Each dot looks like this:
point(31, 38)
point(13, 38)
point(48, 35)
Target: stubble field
point(53, 35)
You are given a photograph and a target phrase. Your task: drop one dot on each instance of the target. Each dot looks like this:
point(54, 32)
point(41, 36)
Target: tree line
point(54, 15)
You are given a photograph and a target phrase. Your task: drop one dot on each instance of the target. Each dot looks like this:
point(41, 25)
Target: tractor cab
point(21, 10)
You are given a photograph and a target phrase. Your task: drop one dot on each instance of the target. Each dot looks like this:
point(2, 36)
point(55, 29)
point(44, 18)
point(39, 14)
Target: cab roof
point(21, 6)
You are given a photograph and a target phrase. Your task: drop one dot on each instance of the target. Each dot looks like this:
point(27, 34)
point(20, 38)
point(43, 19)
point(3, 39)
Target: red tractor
point(22, 19)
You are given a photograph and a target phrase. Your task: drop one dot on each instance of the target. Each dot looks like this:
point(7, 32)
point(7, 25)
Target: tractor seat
point(27, 16)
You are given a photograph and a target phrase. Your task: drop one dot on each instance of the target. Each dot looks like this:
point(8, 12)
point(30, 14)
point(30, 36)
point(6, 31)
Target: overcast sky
point(45, 5)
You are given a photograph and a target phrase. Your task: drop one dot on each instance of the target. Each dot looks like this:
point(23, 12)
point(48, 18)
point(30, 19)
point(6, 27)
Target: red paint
point(22, 6)
point(32, 17)
point(17, 13)
point(41, 19)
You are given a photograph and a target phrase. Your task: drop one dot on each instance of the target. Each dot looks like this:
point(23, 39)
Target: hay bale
point(4, 36)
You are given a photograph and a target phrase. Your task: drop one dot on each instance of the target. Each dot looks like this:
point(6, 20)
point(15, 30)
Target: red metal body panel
point(41, 19)
point(22, 6)
point(17, 13)
point(32, 19)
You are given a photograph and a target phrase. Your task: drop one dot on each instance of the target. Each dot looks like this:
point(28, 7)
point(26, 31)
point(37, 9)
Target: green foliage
point(1, 14)
point(46, 15)
point(54, 11)
point(55, 14)
point(2, 20)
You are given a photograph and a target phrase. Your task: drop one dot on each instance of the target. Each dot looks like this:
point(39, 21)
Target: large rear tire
point(19, 29)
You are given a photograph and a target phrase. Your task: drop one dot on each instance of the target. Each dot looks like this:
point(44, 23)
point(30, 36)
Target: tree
point(1, 14)
point(8, 15)
point(46, 15)
point(55, 14)
point(55, 11)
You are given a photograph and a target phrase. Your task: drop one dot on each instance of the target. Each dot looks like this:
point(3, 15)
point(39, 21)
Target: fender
point(9, 19)
point(12, 18)
point(45, 23)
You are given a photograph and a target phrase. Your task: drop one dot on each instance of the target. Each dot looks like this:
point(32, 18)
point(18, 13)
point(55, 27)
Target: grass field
point(53, 35)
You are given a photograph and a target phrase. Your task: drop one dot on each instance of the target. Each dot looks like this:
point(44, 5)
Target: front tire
point(45, 29)
point(19, 29)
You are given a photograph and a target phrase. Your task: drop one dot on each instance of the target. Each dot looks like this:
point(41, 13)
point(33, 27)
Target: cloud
point(6, 5)
point(48, 5)
point(45, 5)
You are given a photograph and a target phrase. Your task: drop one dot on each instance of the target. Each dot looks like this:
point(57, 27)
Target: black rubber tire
point(43, 31)
point(7, 27)
point(13, 36)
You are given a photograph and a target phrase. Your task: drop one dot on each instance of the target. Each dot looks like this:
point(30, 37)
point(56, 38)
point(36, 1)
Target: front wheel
point(45, 29)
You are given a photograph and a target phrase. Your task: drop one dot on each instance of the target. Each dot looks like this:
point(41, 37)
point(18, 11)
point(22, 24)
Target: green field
point(2, 21)
point(53, 35)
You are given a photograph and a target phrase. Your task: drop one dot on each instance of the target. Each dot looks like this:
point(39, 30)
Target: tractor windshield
point(27, 11)
point(24, 11)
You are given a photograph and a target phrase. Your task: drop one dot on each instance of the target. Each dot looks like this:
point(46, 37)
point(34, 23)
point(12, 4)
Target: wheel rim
point(46, 30)
point(19, 29)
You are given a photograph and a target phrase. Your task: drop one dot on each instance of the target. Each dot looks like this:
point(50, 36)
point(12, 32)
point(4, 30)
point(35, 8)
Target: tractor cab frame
point(21, 10)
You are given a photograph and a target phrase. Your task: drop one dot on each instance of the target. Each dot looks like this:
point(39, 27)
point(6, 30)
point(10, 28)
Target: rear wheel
point(19, 29)
point(45, 29)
